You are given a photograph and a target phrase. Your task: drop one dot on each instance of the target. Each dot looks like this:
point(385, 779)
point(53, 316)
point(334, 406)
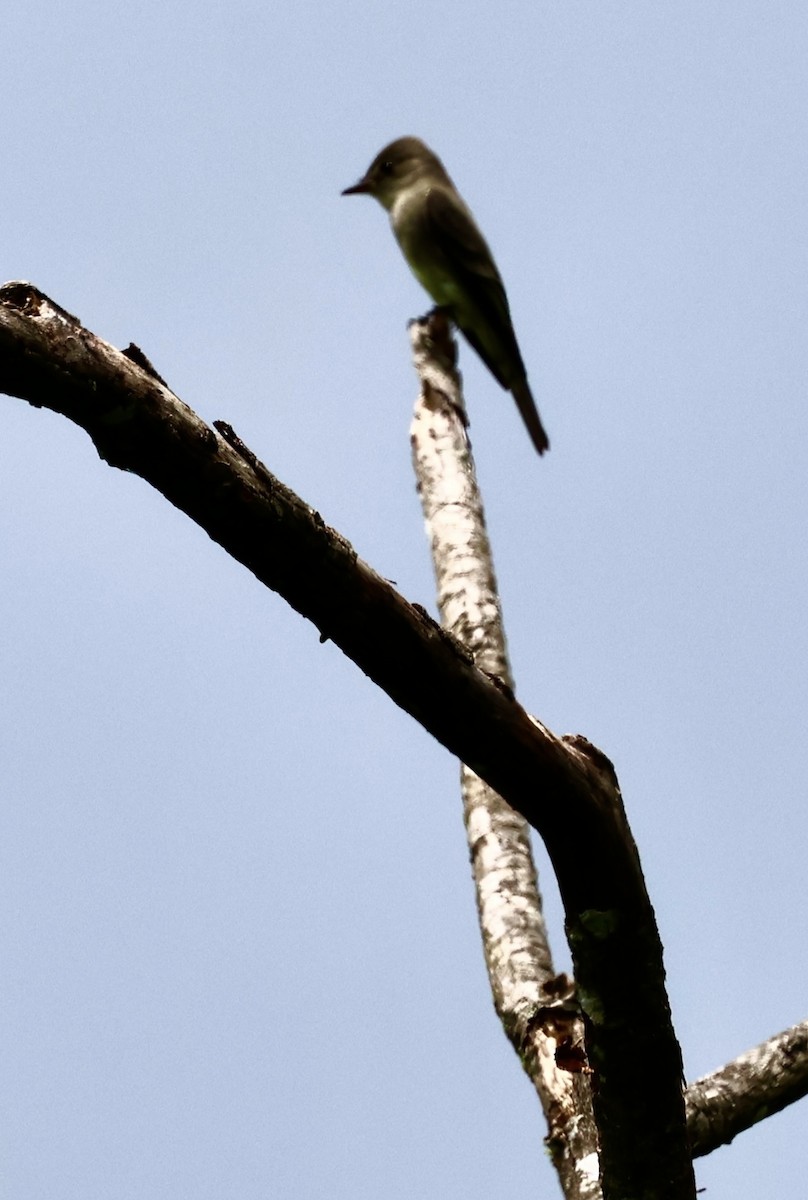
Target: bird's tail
point(530, 415)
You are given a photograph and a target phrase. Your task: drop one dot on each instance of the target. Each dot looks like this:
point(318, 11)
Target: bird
point(450, 258)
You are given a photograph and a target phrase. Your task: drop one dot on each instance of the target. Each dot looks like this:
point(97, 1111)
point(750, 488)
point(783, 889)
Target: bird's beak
point(358, 189)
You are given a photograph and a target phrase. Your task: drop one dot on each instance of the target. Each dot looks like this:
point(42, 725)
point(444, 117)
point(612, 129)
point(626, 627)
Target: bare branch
point(565, 788)
point(536, 1007)
point(759, 1083)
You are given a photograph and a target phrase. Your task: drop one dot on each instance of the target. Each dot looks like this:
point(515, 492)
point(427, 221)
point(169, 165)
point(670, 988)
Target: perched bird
point(449, 256)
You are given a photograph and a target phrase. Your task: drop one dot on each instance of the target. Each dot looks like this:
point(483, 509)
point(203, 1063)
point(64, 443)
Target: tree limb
point(536, 1006)
point(753, 1086)
point(565, 788)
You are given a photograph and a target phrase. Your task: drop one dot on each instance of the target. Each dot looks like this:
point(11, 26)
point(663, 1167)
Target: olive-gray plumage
point(449, 256)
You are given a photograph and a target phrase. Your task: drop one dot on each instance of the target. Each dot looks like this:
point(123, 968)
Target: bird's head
point(395, 168)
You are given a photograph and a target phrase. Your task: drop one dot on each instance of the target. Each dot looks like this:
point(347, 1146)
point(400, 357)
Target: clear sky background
point(238, 935)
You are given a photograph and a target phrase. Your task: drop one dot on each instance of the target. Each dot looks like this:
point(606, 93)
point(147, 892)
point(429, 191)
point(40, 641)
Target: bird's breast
point(424, 253)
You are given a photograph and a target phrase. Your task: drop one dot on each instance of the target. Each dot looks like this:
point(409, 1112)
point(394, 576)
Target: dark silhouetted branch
point(565, 788)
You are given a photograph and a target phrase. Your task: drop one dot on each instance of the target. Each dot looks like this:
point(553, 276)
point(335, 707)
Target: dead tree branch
point(536, 1006)
point(563, 787)
point(752, 1087)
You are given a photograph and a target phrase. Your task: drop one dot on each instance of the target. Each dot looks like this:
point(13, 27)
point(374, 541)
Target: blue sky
point(238, 929)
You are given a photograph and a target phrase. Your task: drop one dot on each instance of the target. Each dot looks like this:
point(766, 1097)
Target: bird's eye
point(387, 168)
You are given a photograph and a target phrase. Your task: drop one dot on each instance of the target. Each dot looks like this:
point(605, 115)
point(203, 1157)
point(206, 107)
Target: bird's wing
point(453, 230)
